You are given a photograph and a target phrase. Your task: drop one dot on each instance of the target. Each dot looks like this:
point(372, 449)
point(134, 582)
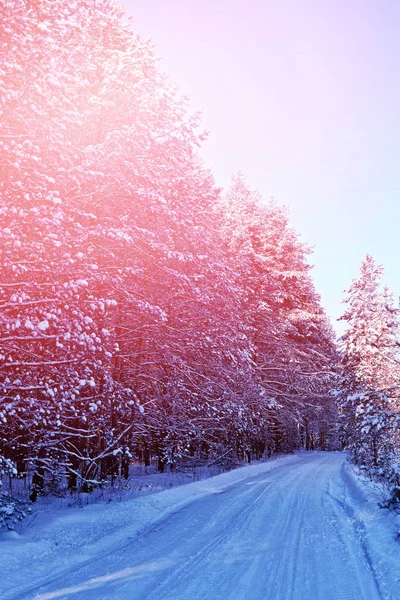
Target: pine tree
point(370, 370)
point(292, 341)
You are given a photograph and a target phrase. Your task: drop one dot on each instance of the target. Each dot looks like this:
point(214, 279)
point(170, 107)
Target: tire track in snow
point(183, 571)
point(282, 579)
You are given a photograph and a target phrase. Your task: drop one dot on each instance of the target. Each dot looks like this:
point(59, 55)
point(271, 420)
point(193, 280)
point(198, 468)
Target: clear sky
point(302, 96)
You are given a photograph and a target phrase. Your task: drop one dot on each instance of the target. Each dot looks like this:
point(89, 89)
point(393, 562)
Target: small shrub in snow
point(394, 500)
point(12, 511)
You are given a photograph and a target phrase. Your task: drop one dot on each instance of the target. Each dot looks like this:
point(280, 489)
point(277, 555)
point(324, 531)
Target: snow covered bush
point(12, 511)
point(7, 467)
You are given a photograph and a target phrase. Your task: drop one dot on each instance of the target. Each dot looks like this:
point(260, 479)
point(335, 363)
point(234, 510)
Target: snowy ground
point(298, 527)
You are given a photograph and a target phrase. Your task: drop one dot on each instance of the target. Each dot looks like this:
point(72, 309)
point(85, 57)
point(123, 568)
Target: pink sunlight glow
point(303, 99)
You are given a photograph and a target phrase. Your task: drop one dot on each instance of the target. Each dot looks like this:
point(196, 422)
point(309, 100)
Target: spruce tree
point(370, 370)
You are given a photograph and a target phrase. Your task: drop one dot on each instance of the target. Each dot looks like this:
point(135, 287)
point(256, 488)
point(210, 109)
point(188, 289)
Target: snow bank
point(378, 529)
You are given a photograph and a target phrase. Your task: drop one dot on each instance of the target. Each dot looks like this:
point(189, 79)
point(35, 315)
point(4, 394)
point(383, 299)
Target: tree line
point(144, 312)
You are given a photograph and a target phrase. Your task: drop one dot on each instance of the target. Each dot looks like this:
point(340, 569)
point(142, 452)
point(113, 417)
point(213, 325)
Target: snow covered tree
point(370, 371)
point(370, 341)
point(55, 359)
point(292, 341)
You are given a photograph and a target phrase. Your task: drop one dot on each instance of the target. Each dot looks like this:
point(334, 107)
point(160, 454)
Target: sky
point(303, 98)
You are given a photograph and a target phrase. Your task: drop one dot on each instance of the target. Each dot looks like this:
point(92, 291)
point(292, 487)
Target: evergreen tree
point(292, 341)
point(370, 371)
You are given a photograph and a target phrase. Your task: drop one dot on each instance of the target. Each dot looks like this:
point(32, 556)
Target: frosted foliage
point(142, 314)
point(370, 409)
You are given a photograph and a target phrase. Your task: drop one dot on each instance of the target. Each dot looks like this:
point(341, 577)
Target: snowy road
point(293, 533)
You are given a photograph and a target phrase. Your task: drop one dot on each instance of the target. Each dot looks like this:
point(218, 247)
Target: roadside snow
point(378, 529)
point(58, 539)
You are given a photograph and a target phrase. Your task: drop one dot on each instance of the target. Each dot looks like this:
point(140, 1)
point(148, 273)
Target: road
point(289, 534)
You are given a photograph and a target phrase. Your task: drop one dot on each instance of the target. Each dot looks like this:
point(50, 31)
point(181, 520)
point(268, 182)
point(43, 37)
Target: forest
point(145, 313)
